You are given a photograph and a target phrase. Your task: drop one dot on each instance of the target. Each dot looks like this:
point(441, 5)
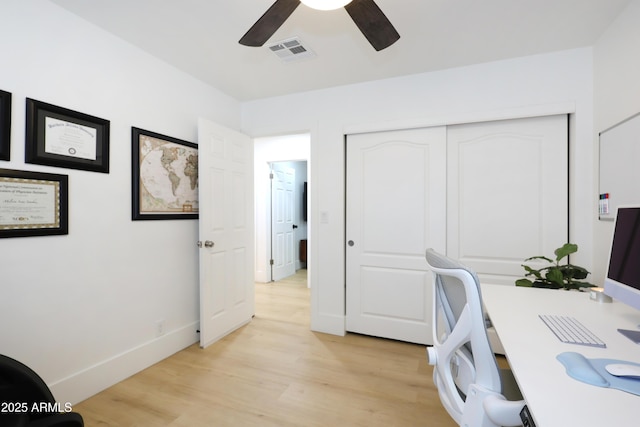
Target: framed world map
point(164, 177)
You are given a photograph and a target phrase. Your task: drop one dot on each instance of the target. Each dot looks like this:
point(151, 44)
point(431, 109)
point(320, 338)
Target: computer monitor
point(623, 276)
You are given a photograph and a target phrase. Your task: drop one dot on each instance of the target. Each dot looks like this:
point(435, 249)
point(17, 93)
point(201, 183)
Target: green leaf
point(524, 282)
point(531, 272)
point(539, 257)
point(579, 272)
point(554, 275)
point(566, 249)
point(546, 284)
point(584, 284)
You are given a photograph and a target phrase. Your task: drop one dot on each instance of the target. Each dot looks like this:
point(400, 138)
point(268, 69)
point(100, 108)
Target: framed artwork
point(33, 204)
point(64, 138)
point(164, 177)
point(5, 125)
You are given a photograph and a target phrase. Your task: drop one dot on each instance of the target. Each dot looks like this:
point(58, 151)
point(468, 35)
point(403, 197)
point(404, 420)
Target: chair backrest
point(20, 383)
point(462, 354)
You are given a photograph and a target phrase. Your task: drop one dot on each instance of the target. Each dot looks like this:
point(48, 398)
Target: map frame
point(140, 208)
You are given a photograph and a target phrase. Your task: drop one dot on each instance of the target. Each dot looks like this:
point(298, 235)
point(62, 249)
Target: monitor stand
point(632, 335)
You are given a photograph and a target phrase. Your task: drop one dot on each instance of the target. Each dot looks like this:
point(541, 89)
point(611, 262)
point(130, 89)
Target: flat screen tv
point(304, 201)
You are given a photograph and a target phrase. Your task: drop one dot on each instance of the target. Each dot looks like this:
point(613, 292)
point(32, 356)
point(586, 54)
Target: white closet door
point(507, 193)
point(395, 210)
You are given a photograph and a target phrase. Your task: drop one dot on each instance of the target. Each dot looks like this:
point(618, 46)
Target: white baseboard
point(92, 380)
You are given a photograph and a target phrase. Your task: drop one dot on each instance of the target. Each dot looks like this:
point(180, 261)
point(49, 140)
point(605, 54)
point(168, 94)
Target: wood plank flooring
point(276, 372)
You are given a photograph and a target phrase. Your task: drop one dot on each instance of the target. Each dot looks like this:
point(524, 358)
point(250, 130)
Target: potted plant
point(556, 276)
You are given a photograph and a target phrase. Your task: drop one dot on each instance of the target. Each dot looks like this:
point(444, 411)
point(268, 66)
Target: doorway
point(288, 219)
point(288, 152)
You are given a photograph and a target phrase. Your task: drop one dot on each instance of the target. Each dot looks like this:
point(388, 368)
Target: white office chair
point(472, 388)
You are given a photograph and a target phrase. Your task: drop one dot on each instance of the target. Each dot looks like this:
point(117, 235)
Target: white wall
point(273, 149)
point(617, 97)
point(81, 309)
point(554, 83)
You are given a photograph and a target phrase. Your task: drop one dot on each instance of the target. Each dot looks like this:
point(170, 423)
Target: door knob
point(295, 226)
point(208, 244)
point(350, 243)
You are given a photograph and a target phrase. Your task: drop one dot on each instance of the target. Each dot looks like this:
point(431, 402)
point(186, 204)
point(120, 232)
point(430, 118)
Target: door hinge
point(270, 175)
point(270, 262)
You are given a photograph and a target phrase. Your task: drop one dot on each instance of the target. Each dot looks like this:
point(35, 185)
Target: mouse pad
point(592, 371)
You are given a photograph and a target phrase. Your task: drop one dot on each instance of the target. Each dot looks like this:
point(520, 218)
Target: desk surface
point(553, 397)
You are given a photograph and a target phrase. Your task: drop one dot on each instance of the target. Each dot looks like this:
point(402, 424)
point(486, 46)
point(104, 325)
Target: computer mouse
point(624, 370)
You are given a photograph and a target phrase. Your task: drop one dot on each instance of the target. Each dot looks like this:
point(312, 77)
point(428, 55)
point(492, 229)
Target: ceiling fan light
point(325, 4)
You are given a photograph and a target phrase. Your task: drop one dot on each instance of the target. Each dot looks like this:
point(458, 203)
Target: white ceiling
point(201, 37)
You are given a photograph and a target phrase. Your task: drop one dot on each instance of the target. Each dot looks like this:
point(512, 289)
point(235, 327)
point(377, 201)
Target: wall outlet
point(160, 328)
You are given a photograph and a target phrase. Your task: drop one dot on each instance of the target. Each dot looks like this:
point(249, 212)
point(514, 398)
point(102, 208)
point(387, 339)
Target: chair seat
point(14, 420)
point(19, 383)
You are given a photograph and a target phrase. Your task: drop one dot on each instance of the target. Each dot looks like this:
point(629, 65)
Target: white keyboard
point(569, 330)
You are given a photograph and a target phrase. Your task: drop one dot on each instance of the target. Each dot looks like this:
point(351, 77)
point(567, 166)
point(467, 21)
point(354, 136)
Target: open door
point(226, 230)
point(283, 236)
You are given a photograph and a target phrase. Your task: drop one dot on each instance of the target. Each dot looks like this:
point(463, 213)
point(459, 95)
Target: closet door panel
point(507, 193)
point(396, 201)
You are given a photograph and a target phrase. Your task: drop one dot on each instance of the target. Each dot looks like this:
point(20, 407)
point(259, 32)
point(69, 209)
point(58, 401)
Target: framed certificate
point(33, 204)
point(5, 125)
point(64, 138)
point(164, 177)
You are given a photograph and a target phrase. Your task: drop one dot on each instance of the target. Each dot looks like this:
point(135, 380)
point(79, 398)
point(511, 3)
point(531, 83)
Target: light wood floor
point(276, 372)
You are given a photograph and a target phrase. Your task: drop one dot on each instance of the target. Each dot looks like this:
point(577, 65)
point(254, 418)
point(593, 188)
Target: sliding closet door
point(396, 184)
point(507, 196)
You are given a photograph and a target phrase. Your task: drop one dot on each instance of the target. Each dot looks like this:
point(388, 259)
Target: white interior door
point(507, 193)
point(283, 262)
point(226, 230)
point(396, 208)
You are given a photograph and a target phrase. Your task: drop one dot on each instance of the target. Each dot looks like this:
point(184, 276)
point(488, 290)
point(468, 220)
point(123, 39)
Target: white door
point(283, 262)
point(507, 193)
point(226, 230)
point(396, 206)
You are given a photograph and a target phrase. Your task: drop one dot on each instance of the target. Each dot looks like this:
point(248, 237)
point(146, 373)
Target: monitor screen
point(623, 276)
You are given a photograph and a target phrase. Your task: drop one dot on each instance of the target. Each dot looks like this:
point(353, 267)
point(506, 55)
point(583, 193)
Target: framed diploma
point(33, 204)
point(64, 138)
point(5, 125)
point(164, 176)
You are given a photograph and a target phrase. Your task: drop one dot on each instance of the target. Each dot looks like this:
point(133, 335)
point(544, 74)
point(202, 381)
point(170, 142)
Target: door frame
point(286, 147)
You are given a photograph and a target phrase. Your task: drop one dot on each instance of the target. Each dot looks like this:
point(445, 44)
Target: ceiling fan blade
point(373, 23)
point(269, 23)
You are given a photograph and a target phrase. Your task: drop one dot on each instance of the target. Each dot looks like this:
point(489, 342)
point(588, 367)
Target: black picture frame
point(57, 136)
point(33, 204)
point(164, 177)
point(5, 125)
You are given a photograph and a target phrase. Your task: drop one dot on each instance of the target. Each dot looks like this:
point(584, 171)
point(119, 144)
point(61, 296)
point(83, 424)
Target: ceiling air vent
point(291, 50)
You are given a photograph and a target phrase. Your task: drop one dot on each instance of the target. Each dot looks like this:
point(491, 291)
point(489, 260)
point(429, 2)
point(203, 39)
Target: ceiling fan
point(366, 14)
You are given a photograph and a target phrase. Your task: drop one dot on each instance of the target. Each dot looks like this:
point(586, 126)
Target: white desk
point(553, 397)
